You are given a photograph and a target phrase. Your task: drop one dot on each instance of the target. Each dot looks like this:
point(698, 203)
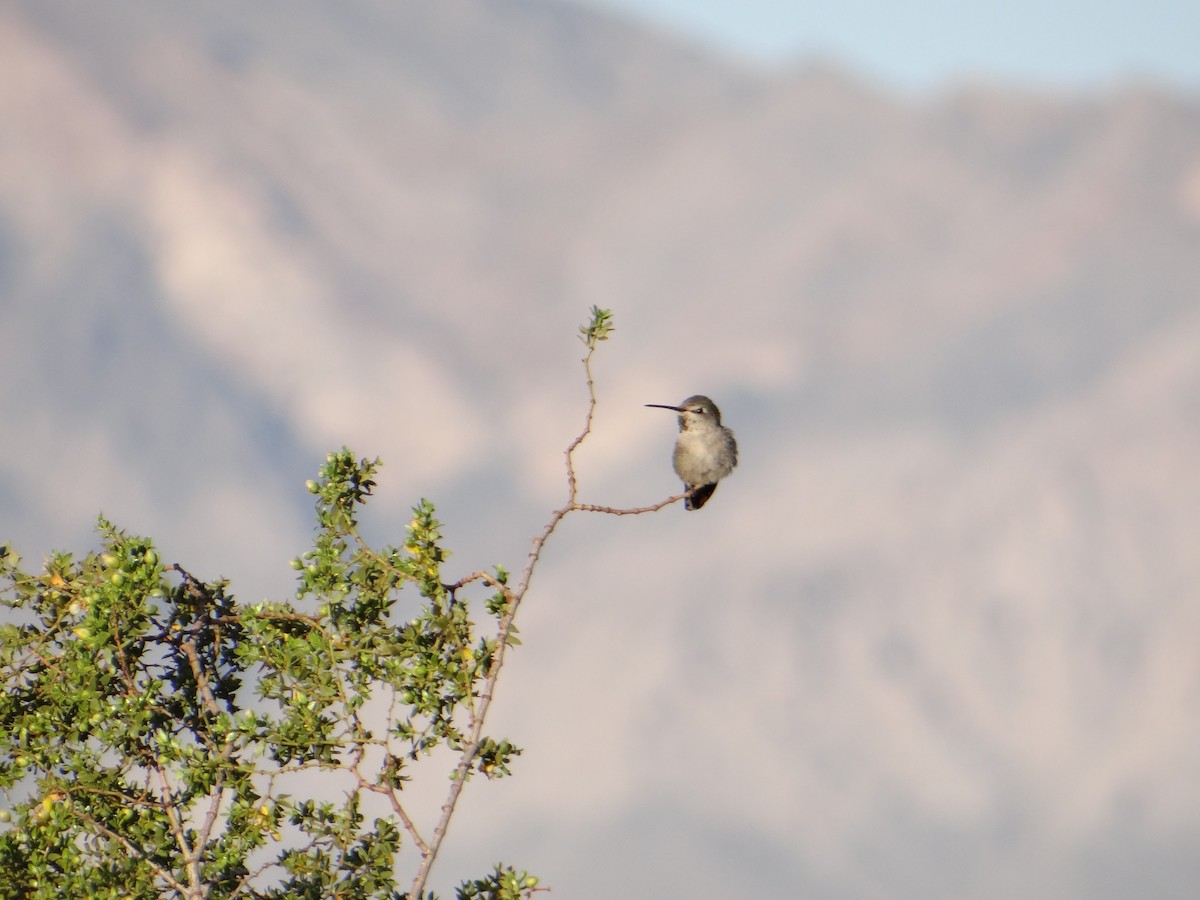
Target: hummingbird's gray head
point(696, 408)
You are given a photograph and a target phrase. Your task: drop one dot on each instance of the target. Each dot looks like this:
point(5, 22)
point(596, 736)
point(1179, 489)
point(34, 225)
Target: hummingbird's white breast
point(704, 453)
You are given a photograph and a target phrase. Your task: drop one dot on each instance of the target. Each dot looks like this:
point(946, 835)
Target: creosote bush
point(159, 738)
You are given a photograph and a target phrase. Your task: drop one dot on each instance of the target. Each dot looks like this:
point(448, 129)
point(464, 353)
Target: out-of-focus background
point(937, 637)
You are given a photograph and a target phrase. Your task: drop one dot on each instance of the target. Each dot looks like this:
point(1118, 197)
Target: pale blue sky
point(922, 43)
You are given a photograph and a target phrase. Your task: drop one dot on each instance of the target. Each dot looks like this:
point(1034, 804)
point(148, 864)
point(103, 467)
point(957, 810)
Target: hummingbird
point(705, 451)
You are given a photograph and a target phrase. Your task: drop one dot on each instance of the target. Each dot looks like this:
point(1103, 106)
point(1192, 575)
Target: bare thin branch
point(630, 511)
point(486, 577)
point(191, 858)
point(514, 596)
point(133, 850)
point(206, 695)
point(587, 426)
point(463, 770)
point(409, 825)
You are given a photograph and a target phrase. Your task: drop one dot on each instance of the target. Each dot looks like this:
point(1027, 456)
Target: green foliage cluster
point(159, 738)
point(139, 765)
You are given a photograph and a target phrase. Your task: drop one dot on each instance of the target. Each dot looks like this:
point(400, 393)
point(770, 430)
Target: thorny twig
point(513, 597)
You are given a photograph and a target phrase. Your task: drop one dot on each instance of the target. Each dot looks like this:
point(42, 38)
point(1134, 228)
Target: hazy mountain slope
point(251, 183)
point(937, 268)
point(933, 638)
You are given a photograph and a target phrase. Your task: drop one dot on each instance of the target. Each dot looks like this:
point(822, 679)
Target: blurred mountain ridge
point(953, 582)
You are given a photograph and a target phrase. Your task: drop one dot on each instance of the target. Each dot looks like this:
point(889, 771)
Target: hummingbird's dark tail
point(698, 495)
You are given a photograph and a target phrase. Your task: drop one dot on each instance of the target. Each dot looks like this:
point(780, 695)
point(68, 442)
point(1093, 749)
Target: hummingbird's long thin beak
point(665, 406)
